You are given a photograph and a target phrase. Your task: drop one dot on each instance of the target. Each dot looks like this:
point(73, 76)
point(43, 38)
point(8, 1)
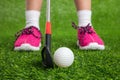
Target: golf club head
point(46, 58)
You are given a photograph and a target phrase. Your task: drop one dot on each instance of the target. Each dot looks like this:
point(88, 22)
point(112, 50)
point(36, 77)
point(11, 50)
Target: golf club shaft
point(48, 11)
point(48, 26)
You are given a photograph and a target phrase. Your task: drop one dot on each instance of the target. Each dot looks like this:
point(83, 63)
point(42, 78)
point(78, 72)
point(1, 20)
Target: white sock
point(32, 18)
point(84, 18)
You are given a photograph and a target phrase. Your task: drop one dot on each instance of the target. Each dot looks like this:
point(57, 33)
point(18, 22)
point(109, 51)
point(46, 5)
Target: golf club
point(46, 51)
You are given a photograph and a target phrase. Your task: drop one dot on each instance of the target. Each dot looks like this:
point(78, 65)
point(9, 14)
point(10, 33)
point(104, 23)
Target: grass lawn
point(88, 65)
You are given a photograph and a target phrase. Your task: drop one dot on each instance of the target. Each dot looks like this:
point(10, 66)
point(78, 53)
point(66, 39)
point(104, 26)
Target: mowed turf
point(88, 65)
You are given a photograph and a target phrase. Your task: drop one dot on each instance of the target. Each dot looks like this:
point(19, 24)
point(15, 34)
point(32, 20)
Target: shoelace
point(27, 31)
point(86, 29)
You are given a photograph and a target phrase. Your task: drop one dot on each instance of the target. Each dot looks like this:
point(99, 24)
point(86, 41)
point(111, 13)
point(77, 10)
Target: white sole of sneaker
point(92, 46)
point(27, 47)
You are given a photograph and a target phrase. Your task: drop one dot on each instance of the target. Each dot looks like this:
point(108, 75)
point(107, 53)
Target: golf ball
point(63, 57)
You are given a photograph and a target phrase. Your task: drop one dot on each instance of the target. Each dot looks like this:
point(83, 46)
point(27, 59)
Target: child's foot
point(29, 39)
point(88, 39)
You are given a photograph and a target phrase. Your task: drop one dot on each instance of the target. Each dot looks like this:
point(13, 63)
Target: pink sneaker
point(28, 39)
point(88, 39)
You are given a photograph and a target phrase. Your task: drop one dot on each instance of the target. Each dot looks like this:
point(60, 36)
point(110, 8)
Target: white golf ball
point(63, 57)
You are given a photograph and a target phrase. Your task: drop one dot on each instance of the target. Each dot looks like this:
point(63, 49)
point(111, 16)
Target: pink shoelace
point(27, 31)
point(86, 29)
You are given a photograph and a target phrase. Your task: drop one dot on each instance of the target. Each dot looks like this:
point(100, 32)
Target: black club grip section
point(48, 41)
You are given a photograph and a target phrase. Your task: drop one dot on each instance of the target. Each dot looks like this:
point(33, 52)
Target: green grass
point(92, 65)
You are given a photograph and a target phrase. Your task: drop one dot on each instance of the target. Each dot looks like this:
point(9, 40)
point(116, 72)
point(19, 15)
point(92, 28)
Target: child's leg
point(30, 37)
point(87, 37)
point(33, 12)
point(83, 4)
point(33, 4)
point(84, 11)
